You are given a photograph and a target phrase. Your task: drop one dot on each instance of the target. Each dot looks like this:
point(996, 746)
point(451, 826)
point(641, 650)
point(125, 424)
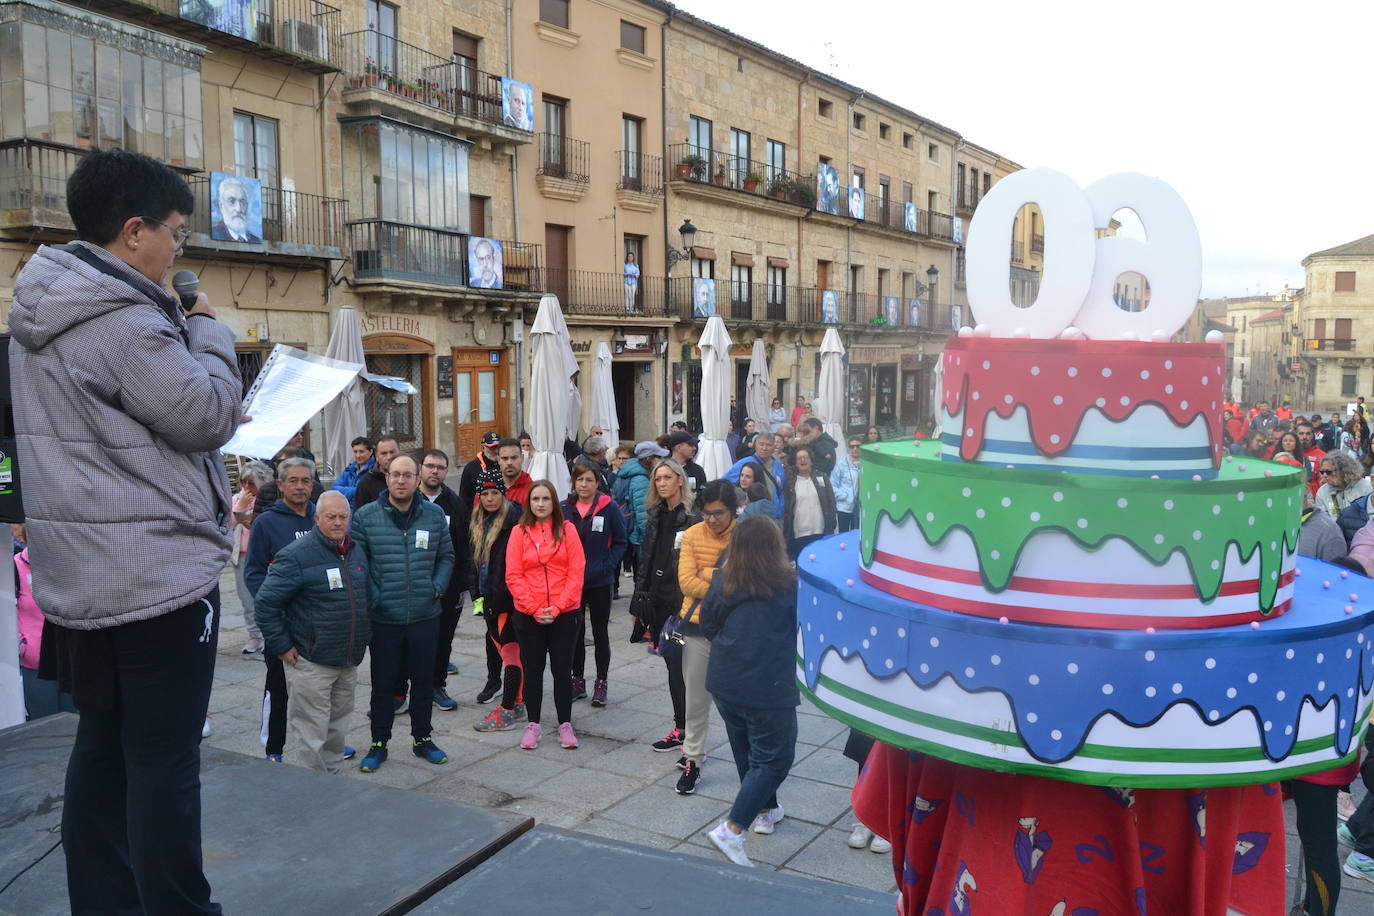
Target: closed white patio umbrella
point(345, 417)
point(756, 388)
point(603, 398)
point(713, 454)
point(547, 408)
point(830, 399)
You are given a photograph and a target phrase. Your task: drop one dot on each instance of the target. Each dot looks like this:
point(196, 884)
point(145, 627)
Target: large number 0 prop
point(1081, 270)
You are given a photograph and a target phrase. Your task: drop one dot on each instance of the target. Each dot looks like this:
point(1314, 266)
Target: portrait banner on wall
point(237, 17)
point(958, 231)
point(703, 297)
point(892, 309)
point(856, 202)
point(517, 104)
point(827, 189)
point(956, 318)
point(235, 208)
point(830, 306)
point(486, 268)
point(913, 307)
point(909, 219)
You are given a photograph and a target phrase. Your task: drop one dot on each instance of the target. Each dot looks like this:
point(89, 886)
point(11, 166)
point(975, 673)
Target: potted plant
point(691, 166)
point(778, 186)
point(806, 194)
point(751, 182)
point(370, 72)
point(720, 176)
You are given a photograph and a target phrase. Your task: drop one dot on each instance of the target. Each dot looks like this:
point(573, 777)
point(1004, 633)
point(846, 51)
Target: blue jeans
point(764, 742)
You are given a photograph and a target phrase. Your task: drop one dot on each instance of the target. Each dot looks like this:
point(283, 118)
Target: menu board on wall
point(444, 367)
point(857, 413)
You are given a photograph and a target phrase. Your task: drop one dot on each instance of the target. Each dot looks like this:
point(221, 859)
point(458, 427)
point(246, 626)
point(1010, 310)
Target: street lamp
point(689, 235)
point(932, 276)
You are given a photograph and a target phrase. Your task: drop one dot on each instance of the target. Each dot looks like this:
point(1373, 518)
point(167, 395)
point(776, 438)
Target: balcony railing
point(705, 166)
point(1037, 244)
point(1018, 252)
point(969, 195)
point(33, 185)
point(1331, 343)
point(585, 292)
point(389, 250)
point(292, 222)
point(639, 172)
point(373, 60)
point(300, 32)
point(565, 158)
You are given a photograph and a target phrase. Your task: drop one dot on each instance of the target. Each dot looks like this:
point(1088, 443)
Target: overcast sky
point(1257, 113)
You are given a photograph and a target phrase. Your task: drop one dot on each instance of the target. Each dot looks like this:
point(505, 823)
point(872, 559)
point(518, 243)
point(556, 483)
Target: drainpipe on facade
point(515, 211)
point(801, 223)
point(663, 149)
point(849, 163)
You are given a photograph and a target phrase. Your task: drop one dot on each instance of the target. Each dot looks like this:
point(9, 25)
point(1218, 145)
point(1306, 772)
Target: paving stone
point(517, 771)
point(613, 830)
point(788, 838)
point(667, 812)
point(827, 765)
point(827, 856)
point(590, 790)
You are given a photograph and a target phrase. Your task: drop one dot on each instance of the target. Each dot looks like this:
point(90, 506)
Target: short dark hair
point(508, 442)
point(110, 187)
point(813, 423)
point(718, 491)
point(435, 453)
point(391, 439)
point(365, 442)
point(758, 491)
point(583, 466)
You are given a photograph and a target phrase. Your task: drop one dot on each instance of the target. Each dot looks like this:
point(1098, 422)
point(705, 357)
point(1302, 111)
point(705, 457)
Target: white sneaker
point(205, 729)
point(879, 845)
point(730, 843)
point(860, 837)
point(765, 822)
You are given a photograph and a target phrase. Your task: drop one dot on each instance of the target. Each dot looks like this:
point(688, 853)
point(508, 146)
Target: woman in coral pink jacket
point(544, 567)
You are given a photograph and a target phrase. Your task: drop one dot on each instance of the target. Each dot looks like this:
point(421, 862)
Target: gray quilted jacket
point(121, 406)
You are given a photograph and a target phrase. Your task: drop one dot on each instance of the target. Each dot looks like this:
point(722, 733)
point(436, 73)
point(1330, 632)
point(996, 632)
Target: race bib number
point(335, 578)
point(598, 524)
point(422, 539)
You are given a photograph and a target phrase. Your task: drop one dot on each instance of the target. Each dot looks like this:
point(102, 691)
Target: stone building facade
point(1335, 322)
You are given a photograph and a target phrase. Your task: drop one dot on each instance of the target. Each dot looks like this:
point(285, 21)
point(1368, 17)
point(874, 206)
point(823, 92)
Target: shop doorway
point(481, 398)
point(623, 378)
point(885, 410)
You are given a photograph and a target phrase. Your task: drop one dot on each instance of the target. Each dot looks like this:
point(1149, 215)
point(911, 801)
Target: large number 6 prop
point(1170, 259)
point(1080, 272)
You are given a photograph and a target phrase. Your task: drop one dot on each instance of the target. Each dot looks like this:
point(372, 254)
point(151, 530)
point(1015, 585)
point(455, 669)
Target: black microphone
point(187, 286)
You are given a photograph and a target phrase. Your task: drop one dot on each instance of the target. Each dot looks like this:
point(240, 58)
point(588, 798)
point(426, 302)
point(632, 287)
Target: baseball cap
point(491, 439)
point(681, 438)
point(648, 448)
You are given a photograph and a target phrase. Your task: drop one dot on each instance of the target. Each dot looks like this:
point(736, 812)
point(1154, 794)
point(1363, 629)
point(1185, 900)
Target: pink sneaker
point(532, 735)
point(566, 736)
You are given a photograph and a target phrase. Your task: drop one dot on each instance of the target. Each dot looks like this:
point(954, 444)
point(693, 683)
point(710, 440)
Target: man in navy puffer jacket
point(313, 606)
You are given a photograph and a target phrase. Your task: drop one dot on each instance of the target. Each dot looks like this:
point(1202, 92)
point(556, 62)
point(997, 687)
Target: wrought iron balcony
point(704, 166)
point(306, 225)
point(375, 61)
point(640, 173)
point(969, 195)
point(1037, 244)
point(389, 250)
point(301, 33)
point(1335, 344)
point(585, 292)
point(564, 158)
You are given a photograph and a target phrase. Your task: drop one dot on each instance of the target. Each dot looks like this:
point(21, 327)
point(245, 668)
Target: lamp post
point(689, 234)
point(932, 278)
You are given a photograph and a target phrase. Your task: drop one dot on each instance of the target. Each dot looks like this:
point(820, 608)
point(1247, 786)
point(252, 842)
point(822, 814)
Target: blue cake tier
point(1191, 708)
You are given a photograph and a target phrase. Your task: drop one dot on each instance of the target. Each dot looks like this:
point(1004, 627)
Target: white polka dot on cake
point(980, 513)
point(1268, 726)
point(872, 631)
point(1159, 539)
point(996, 659)
point(1007, 399)
point(1056, 734)
point(930, 516)
point(839, 615)
point(1122, 503)
point(901, 632)
point(1058, 399)
point(925, 669)
point(1321, 657)
point(1149, 691)
point(1035, 516)
point(1125, 401)
point(1182, 405)
point(1035, 370)
point(967, 492)
point(1205, 380)
point(1288, 729)
point(1034, 679)
point(1149, 655)
point(1006, 501)
point(1072, 372)
point(1280, 696)
point(1210, 663)
point(1168, 389)
point(1197, 535)
point(1288, 655)
point(1216, 564)
point(915, 482)
point(934, 642)
point(1168, 504)
point(1144, 374)
point(866, 644)
point(1230, 693)
point(987, 365)
point(1321, 685)
point(1054, 438)
point(1073, 667)
point(1106, 373)
point(1101, 402)
point(968, 672)
point(975, 395)
point(996, 554)
point(1168, 364)
point(887, 662)
point(1240, 496)
point(1213, 715)
point(1252, 677)
point(1177, 688)
point(1107, 689)
point(1058, 496)
point(1032, 718)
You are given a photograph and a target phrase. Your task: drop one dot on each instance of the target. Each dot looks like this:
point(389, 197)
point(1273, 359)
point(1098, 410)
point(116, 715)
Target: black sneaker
point(687, 782)
point(579, 688)
point(669, 742)
point(489, 692)
point(682, 762)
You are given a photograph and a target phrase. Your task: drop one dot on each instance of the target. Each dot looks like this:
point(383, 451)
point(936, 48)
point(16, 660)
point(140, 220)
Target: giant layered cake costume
point(1071, 581)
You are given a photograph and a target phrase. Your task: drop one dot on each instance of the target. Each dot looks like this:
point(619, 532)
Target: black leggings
point(677, 691)
point(553, 641)
point(1316, 821)
point(502, 643)
point(596, 603)
point(274, 704)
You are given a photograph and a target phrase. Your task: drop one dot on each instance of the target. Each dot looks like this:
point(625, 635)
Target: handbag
point(671, 639)
point(641, 613)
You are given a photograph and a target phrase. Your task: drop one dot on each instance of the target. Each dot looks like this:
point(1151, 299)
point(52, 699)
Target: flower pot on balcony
point(370, 80)
point(751, 185)
point(355, 82)
point(719, 179)
point(682, 170)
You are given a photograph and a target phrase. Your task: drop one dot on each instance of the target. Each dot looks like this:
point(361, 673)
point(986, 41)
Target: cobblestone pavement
point(614, 785)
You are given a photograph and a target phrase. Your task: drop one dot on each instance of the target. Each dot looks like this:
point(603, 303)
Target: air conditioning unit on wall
point(306, 39)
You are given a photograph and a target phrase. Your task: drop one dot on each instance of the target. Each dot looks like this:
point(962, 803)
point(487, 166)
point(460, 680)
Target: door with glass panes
point(481, 399)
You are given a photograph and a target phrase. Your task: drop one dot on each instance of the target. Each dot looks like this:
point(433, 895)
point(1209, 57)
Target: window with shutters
point(554, 12)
